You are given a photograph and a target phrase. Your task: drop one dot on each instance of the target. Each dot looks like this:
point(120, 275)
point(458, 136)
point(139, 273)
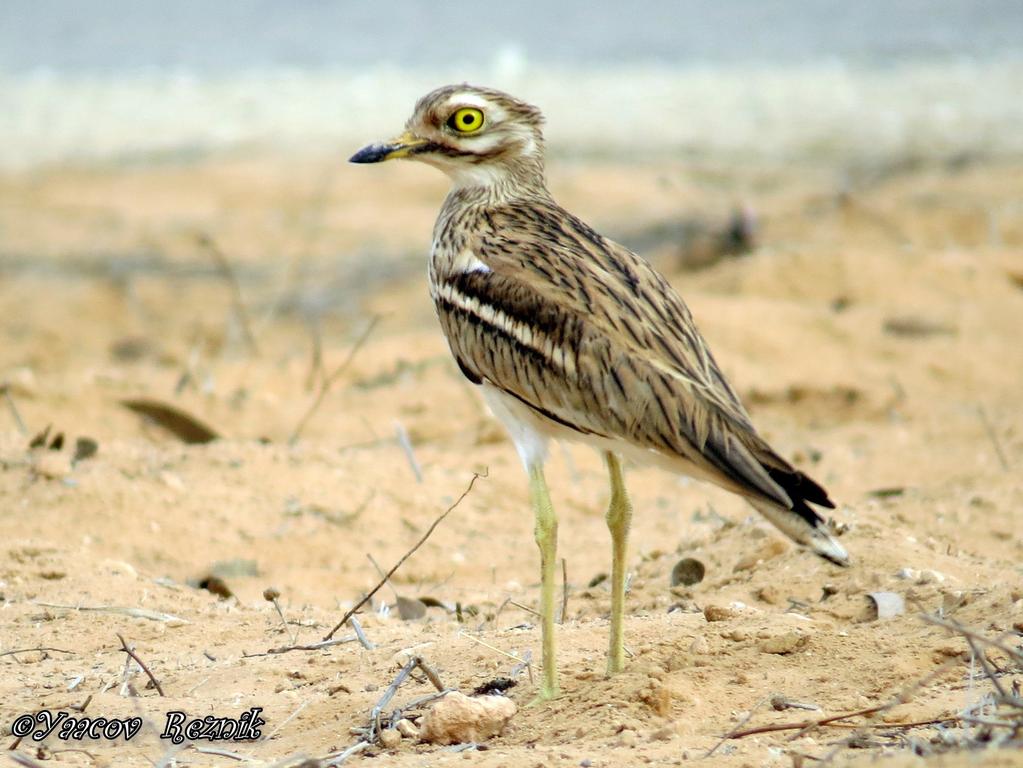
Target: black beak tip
point(374, 153)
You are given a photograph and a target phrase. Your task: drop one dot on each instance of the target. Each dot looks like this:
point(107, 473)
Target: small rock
point(687, 571)
point(718, 613)
point(407, 728)
point(736, 635)
point(787, 643)
point(770, 595)
point(459, 719)
point(171, 480)
point(390, 738)
point(628, 738)
point(900, 714)
point(699, 646)
point(119, 568)
point(52, 465)
point(85, 448)
point(887, 605)
point(927, 576)
point(913, 326)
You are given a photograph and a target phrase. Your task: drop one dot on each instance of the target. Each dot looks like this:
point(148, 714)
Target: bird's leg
point(619, 516)
point(546, 533)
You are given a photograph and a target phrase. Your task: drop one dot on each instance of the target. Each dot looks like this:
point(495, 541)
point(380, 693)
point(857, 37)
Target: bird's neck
point(496, 183)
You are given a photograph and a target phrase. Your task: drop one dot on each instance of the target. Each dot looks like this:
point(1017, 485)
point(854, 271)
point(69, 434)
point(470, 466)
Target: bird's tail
point(804, 526)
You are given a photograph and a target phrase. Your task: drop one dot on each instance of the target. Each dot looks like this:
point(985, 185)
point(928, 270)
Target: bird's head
point(478, 136)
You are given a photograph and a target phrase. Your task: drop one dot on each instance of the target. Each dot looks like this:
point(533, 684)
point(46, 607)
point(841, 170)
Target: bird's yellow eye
point(466, 120)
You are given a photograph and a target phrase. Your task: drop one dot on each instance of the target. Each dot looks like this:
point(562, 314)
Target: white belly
point(531, 433)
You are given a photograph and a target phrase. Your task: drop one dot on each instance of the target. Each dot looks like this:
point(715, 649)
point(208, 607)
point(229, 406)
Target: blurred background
point(124, 79)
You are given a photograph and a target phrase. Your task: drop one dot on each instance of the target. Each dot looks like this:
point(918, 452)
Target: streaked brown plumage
point(573, 336)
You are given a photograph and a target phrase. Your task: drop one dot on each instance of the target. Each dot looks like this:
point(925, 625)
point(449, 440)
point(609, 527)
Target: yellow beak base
point(402, 146)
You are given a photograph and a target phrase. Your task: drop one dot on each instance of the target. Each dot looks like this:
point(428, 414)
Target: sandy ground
point(874, 332)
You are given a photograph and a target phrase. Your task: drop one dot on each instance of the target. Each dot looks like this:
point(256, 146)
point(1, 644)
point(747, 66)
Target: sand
point(874, 333)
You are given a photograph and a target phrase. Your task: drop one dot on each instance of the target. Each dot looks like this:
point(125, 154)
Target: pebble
point(897, 715)
point(172, 480)
point(407, 728)
point(925, 576)
point(628, 738)
point(699, 645)
point(53, 465)
point(119, 568)
point(887, 604)
point(390, 738)
point(786, 643)
point(459, 719)
point(717, 612)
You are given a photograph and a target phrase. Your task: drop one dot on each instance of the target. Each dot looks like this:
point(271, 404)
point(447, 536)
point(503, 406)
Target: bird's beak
point(401, 146)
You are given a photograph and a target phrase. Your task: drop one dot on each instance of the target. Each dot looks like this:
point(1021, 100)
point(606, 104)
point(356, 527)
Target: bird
point(571, 336)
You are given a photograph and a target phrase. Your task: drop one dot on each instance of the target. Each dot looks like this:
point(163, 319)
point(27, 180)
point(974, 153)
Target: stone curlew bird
point(572, 336)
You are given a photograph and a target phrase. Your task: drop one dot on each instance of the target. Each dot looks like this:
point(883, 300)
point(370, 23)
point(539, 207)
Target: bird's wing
point(589, 335)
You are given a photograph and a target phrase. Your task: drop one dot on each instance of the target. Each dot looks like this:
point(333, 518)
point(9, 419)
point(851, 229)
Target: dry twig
point(5, 390)
point(993, 436)
point(406, 445)
point(309, 647)
point(273, 595)
point(286, 720)
point(805, 726)
point(955, 626)
point(343, 755)
point(24, 760)
point(223, 753)
point(206, 242)
point(727, 736)
point(328, 381)
point(374, 715)
point(357, 626)
point(522, 607)
point(28, 650)
point(135, 613)
point(1010, 717)
point(354, 609)
point(142, 664)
